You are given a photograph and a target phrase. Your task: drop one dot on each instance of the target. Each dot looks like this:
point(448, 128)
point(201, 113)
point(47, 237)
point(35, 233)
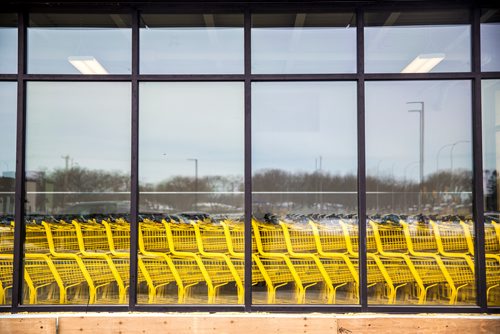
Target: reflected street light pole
point(421, 111)
point(378, 181)
point(405, 185)
point(451, 152)
point(439, 152)
point(319, 169)
point(195, 182)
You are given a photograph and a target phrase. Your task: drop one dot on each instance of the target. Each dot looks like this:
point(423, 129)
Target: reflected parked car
point(98, 207)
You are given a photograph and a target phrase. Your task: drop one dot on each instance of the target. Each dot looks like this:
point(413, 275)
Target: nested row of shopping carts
point(299, 259)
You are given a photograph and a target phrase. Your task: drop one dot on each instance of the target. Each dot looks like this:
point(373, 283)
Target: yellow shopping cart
point(183, 243)
point(104, 281)
point(337, 269)
point(212, 244)
point(429, 271)
point(302, 272)
point(160, 268)
point(331, 243)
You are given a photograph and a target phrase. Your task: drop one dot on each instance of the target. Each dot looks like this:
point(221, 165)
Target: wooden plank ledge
point(28, 325)
point(245, 323)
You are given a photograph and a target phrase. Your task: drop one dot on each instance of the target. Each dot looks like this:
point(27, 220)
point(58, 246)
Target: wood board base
point(221, 323)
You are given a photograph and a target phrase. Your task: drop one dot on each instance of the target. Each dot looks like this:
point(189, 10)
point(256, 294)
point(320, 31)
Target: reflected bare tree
point(274, 190)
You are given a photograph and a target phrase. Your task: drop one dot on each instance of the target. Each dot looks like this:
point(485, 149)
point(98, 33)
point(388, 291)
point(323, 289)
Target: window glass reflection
point(490, 40)
point(79, 44)
point(491, 161)
point(191, 44)
point(304, 195)
point(77, 193)
point(420, 232)
point(8, 108)
point(304, 43)
point(8, 43)
point(417, 42)
point(191, 192)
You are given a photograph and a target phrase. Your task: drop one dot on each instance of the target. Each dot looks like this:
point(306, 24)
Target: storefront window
point(77, 193)
point(304, 193)
point(191, 193)
point(420, 231)
point(417, 42)
point(491, 163)
point(8, 43)
point(303, 43)
point(191, 44)
point(79, 44)
point(191, 109)
point(8, 114)
point(490, 40)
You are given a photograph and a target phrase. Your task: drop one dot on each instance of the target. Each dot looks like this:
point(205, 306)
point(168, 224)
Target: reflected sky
point(491, 119)
point(299, 126)
point(490, 46)
point(8, 50)
point(303, 50)
point(183, 121)
point(391, 48)
point(8, 113)
point(392, 132)
point(89, 122)
point(49, 49)
point(191, 50)
point(294, 124)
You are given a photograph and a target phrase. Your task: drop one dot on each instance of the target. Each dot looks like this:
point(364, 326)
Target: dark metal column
point(134, 168)
point(478, 190)
point(248, 162)
point(19, 233)
point(363, 291)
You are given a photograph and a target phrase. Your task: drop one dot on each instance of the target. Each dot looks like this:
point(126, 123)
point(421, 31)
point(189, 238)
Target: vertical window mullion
point(478, 195)
point(248, 162)
point(134, 186)
point(363, 290)
point(19, 232)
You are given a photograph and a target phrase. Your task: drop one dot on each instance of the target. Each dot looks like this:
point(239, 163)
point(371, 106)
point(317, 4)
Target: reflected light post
point(421, 111)
point(451, 152)
point(195, 182)
point(319, 170)
point(439, 152)
point(378, 181)
point(405, 185)
point(393, 182)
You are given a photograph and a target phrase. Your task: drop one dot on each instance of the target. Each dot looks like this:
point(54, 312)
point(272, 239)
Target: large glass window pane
point(79, 44)
point(77, 192)
point(191, 44)
point(8, 94)
point(304, 195)
point(191, 193)
point(8, 43)
point(304, 43)
point(419, 192)
point(490, 40)
point(491, 164)
point(417, 42)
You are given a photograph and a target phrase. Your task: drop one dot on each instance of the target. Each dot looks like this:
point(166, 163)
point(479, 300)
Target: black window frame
point(247, 8)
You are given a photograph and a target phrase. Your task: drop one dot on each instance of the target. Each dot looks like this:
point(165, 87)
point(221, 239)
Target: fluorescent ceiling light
point(87, 65)
point(423, 63)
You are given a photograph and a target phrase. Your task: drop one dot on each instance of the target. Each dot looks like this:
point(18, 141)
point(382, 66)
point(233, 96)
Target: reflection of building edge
point(39, 195)
point(7, 184)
